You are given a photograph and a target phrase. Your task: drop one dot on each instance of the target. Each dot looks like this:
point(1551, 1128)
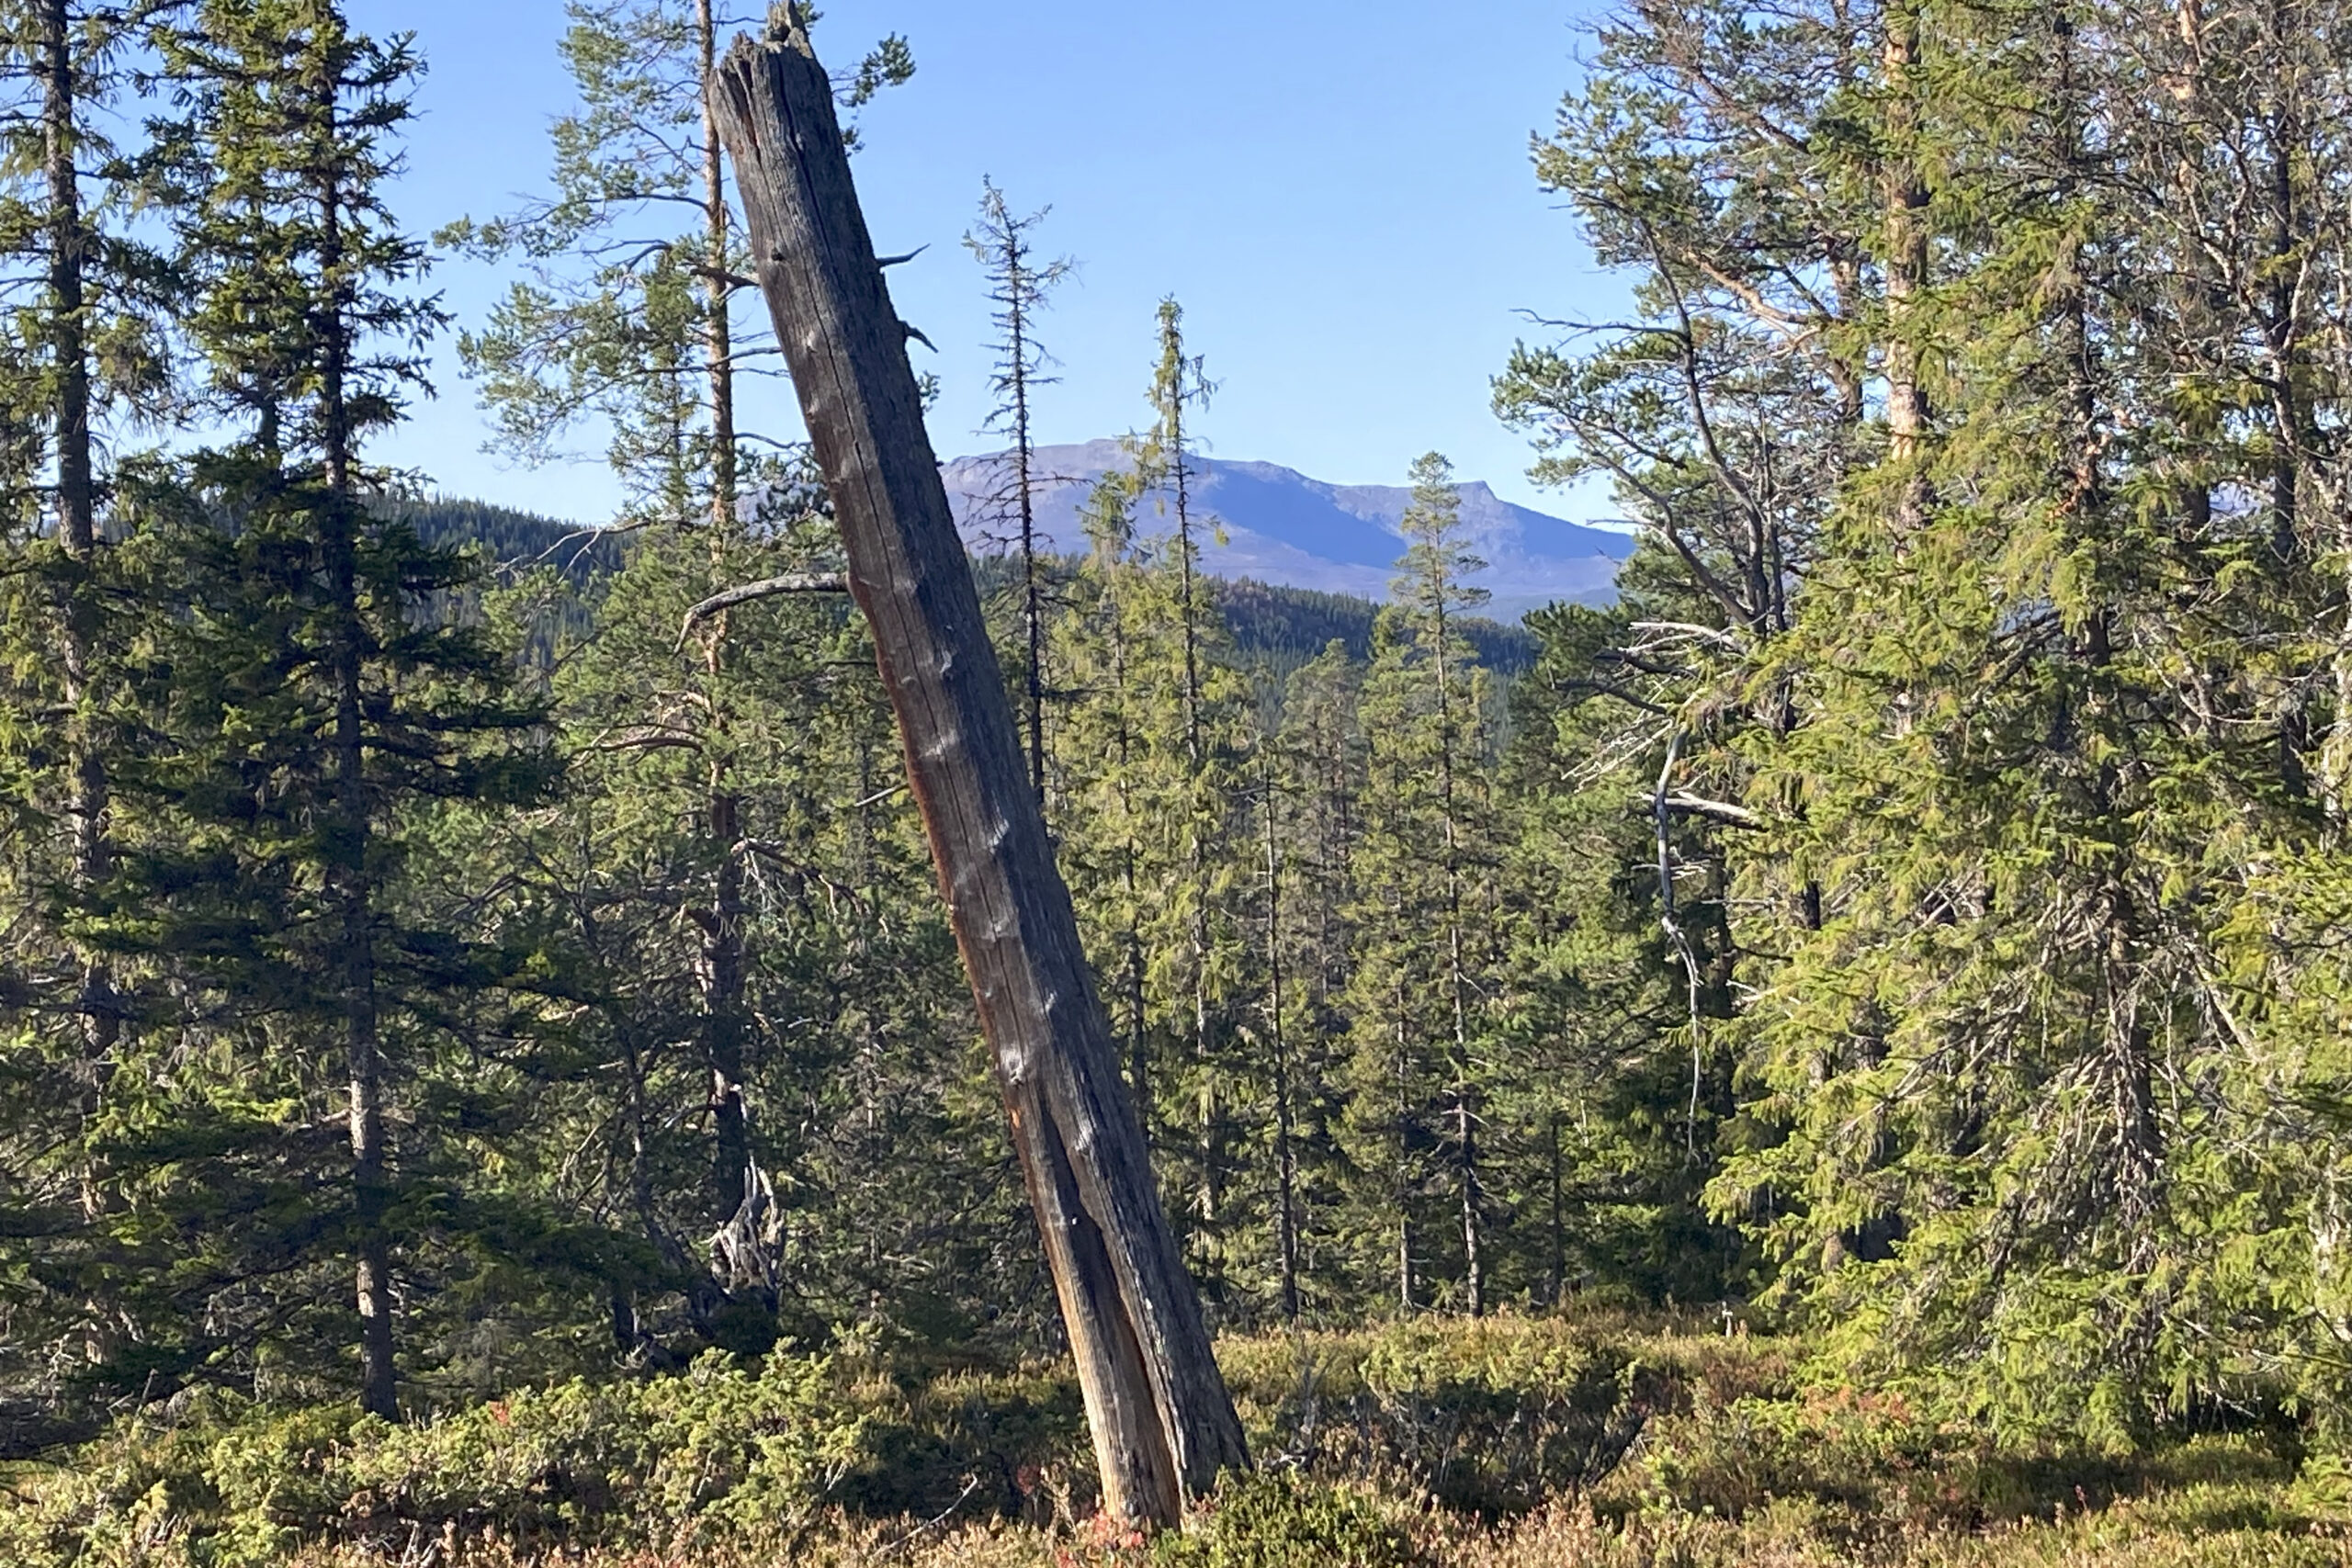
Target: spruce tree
point(1423, 1047)
point(1179, 389)
point(1932, 756)
point(85, 344)
point(1019, 286)
point(1301, 795)
point(310, 710)
point(81, 365)
point(1208, 696)
point(1149, 794)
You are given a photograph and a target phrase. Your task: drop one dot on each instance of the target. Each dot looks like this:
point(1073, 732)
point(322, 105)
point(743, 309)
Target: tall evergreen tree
point(639, 332)
point(623, 322)
point(1953, 750)
point(1423, 1045)
point(1150, 791)
point(1208, 697)
point(1020, 286)
point(81, 365)
point(308, 706)
point(1302, 795)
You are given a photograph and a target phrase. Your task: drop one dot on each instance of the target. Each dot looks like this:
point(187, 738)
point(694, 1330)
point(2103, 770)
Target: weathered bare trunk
point(717, 335)
point(723, 967)
point(1162, 1422)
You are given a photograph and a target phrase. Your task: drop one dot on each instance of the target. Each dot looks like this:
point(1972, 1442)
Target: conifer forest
point(730, 1032)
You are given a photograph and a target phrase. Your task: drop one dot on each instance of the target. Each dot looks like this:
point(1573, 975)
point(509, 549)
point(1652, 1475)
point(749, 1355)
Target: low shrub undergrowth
point(1598, 1440)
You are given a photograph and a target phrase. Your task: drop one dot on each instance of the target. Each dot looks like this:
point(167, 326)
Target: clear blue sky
point(1339, 193)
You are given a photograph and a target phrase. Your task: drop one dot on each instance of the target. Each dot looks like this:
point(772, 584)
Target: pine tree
point(640, 333)
point(623, 321)
point(1706, 157)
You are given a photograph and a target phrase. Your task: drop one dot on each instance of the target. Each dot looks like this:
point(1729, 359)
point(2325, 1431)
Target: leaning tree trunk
point(1162, 1422)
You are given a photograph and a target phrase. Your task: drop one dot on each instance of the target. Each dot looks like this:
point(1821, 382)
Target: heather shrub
point(1594, 1442)
point(1276, 1519)
point(1493, 1415)
point(727, 1449)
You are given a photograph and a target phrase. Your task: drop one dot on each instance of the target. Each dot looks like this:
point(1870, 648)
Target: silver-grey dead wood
point(1162, 1422)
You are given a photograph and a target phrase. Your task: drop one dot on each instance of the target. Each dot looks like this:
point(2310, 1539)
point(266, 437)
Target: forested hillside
point(1276, 628)
point(508, 538)
point(1278, 526)
point(1842, 1054)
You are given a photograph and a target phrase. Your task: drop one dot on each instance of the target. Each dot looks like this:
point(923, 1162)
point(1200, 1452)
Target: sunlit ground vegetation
point(1595, 1438)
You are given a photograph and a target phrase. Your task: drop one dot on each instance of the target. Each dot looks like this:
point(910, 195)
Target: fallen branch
point(971, 1485)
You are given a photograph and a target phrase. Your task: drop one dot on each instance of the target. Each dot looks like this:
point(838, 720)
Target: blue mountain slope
point(1281, 527)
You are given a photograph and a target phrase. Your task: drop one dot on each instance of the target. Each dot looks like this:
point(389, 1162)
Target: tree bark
point(723, 967)
point(1285, 1147)
point(718, 287)
point(77, 532)
point(1162, 1422)
point(1905, 237)
point(350, 885)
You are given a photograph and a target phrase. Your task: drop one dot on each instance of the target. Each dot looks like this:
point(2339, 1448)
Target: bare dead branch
point(766, 588)
point(1721, 811)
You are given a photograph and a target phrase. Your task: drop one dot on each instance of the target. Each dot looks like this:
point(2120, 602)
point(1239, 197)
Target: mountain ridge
point(1285, 527)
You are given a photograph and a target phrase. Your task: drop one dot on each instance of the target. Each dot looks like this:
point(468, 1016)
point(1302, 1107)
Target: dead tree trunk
point(1162, 1422)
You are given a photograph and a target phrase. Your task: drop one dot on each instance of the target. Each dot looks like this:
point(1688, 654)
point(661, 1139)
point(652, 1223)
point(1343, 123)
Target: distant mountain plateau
point(1279, 527)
